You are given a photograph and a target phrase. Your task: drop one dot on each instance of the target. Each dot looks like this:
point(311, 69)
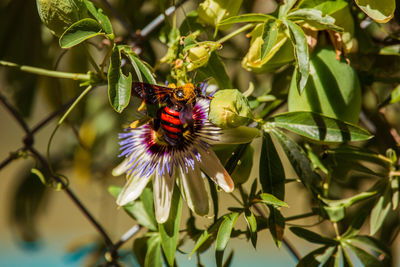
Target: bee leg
point(142, 106)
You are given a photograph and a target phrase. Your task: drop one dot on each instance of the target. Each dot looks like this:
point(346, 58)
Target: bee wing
point(151, 93)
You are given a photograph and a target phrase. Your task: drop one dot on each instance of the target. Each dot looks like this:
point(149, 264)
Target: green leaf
point(347, 202)
point(319, 127)
point(207, 237)
point(366, 258)
point(119, 85)
point(357, 223)
point(313, 237)
point(346, 259)
point(316, 257)
point(215, 68)
point(252, 225)
point(153, 255)
point(272, 175)
point(271, 200)
point(327, 7)
point(247, 18)
point(370, 242)
point(270, 35)
point(140, 66)
point(380, 211)
point(80, 31)
point(225, 229)
point(298, 158)
point(224, 234)
point(276, 223)
point(284, 9)
point(316, 16)
point(141, 210)
point(380, 11)
point(169, 230)
point(100, 17)
point(299, 42)
point(395, 95)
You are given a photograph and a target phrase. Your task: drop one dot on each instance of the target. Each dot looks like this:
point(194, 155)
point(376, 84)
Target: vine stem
point(234, 33)
point(46, 72)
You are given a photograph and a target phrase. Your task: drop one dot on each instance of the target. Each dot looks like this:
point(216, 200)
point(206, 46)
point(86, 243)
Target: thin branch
point(8, 160)
point(14, 113)
point(46, 72)
point(128, 235)
point(74, 198)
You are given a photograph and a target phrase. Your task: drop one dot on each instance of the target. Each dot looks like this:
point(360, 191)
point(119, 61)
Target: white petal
point(133, 188)
point(211, 165)
point(122, 167)
point(193, 190)
point(239, 135)
point(163, 187)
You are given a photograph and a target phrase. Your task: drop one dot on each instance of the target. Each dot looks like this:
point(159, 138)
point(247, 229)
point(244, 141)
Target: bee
point(175, 116)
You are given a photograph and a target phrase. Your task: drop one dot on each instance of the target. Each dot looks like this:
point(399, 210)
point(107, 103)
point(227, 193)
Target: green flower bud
point(58, 15)
point(198, 56)
point(211, 12)
point(280, 53)
point(229, 109)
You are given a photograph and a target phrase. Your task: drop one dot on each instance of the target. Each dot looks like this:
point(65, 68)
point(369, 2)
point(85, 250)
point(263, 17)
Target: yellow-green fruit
point(229, 109)
point(58, 15)
point(332, 89)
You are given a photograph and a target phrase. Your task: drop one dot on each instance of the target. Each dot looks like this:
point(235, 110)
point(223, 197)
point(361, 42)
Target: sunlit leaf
point(80, 31)
point(316, 16)
point(247, 18)
point(224, 234)
point(319, 127)
point(380, 11)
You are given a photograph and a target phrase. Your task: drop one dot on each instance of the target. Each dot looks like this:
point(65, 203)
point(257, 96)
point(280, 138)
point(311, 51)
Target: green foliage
point(325, 62)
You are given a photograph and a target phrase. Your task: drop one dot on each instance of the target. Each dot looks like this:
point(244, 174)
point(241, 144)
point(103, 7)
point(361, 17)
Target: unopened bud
point(229, 109)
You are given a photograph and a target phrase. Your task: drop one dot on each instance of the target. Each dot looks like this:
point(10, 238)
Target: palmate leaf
point(366, 258)
point(370, 242)
point(313, 237)
point(139, 66)
point(80, 31)
point(318, 127)
point(119, 85)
